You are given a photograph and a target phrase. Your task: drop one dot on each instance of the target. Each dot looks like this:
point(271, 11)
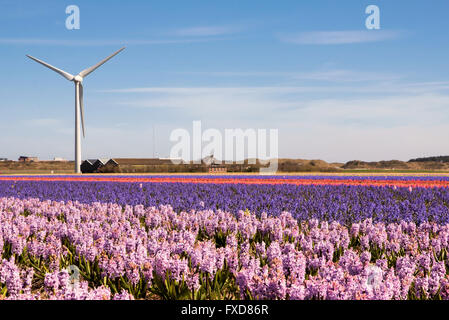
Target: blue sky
point(334, 90)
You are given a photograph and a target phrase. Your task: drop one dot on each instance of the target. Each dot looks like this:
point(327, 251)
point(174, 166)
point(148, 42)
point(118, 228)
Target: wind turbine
point(79, 108)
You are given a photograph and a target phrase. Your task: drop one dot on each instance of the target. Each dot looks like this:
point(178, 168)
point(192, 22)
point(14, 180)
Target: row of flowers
point(137, 252)
point(424, 182)
point(345, 204)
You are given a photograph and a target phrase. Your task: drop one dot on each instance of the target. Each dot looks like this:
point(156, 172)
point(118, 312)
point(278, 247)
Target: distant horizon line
point(58, 159)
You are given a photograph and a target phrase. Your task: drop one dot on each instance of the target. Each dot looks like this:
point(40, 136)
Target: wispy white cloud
point(301, 105)
point(377, 88)
point(203, 90)
point(95, 43)
point(340, 37)
point(345, 76)
point(183, 35)
point(337, 75)
point(379, 112)
point(205, 31)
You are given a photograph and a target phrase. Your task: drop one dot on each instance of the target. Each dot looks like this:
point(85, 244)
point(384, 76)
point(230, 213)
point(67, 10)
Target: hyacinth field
point(224, 237)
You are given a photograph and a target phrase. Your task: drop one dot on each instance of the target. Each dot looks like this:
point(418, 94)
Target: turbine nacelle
point(78, 78)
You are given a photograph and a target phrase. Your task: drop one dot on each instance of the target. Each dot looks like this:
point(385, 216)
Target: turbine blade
point(87, 71)
point(82, 108)
point(66, 75)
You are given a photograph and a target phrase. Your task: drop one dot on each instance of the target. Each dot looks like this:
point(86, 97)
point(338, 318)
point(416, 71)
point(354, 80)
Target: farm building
point(214, 165)
point(125, 164)
point(99, 163)
point(217, 168)
point(87, 166)
point(28, 159)
point(209, 160)
point(139, 165)
point(92, 165)
point(138, 162)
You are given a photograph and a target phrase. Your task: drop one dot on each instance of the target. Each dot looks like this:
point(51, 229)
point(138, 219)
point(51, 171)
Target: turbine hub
point(78, 78)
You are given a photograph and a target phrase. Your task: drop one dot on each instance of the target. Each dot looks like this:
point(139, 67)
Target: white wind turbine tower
point(79, 109)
